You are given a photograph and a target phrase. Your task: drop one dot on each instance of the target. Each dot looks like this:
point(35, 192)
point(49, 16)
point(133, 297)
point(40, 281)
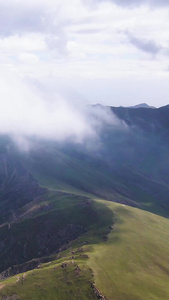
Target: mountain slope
point(45, 227)
point(17, 187)
point(129, 164)
point(132, 263)
point(51, 226)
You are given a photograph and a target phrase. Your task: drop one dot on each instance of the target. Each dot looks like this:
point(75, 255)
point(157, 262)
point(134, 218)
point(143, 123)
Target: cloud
point(57, 43)
point(133, 3)
point(40, 39)
point(29, 43)
point(27, 111)
point(148, 46)
point(141, 2)
point(28, 58)
point(38, 16)
point(16, 17)
point(47, 21)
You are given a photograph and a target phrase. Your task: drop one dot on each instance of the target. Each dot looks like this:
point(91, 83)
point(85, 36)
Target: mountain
point(57, 232)
point(154, 120)
point(128, 261)
point(142, 105)
point(130, 166)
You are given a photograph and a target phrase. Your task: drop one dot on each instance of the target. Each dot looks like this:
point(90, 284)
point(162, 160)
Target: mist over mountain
point(130, 159)
point(47, 189)
point(29, 111)
point(127, 156)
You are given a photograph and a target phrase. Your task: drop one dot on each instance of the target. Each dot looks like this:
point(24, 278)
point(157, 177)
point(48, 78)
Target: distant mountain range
point(142, 105)
point(46, 195)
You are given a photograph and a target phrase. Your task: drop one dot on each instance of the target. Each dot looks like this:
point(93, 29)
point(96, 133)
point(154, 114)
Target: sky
point(56, 55)
point(111, 52)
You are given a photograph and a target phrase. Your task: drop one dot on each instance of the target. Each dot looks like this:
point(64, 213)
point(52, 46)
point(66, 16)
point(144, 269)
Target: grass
point(52, 282)
point(45, 231)
point(134, 263)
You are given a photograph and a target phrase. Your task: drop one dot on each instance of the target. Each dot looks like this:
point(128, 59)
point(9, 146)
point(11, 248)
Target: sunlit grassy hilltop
point(133, 263)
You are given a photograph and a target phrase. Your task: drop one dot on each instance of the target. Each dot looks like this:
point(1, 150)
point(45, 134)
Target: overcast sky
point(113, 52)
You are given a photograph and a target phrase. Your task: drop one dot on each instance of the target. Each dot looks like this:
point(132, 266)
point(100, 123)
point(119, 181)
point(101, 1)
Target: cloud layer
point(132, 3)
point(112, 52)
point(31, 111)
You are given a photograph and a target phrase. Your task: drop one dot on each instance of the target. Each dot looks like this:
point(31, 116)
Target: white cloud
point(76, 41)
point(28, 58)
point(131, 3)
point(29, 43)
point(27, 113)
point(31, 109)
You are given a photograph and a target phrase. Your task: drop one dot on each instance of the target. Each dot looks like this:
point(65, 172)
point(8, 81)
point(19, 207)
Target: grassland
point(132, 264)
point(67, 275)
point(62, 279)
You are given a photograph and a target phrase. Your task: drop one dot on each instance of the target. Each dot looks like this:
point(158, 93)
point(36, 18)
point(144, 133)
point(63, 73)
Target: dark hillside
point(17, 187)
point(150, 120)
point(130, 165)
point(46, 226)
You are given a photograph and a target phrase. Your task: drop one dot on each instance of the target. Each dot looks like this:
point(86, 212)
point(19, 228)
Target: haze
point(56, 58)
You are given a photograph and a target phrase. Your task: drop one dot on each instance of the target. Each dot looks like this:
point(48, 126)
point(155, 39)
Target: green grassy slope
point(56, 281)
point(134, 263)
point(67, 275)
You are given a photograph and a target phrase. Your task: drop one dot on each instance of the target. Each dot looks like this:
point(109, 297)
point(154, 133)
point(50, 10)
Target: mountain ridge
point(54, 219)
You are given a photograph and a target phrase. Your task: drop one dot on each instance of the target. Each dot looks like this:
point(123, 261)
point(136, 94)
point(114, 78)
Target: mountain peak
point(142, 105)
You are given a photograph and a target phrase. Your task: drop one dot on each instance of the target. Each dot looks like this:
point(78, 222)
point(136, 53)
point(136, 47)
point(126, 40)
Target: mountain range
point(77, 221)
